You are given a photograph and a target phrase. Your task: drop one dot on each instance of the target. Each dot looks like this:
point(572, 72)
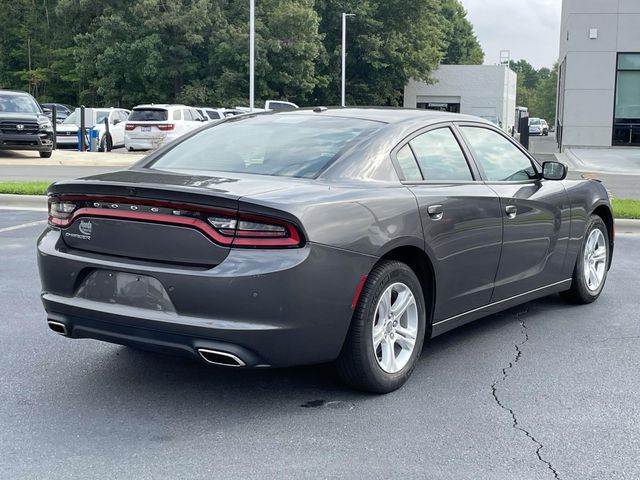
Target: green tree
point(463, 47)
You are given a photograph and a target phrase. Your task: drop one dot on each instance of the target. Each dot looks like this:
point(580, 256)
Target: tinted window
point(408, 165)
point(195, 116)
point(283, 145)
point(19, 104)
point(149, 115)
point(500, 159)
point(440, 156)
point(213, 115)
point(177, 114)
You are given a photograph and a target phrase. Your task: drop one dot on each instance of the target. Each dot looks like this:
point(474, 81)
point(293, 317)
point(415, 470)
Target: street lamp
point(344, 51)
point(251, 53)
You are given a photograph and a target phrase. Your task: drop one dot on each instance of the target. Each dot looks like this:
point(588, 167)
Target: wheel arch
point(418, 260)
point(603, 211)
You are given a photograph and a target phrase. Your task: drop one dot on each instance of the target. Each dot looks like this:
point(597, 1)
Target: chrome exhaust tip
point(57, 327)
point(217, 357)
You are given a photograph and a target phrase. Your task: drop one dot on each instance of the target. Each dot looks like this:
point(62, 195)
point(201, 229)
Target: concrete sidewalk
point(611, 161)
point(119, 158)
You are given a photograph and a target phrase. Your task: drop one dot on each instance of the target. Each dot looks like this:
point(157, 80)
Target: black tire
point(45, 154)
point(357, 364)
point(579, 293)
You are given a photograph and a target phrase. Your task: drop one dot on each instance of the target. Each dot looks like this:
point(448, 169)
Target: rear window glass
point(148, 115)
point(281, 145)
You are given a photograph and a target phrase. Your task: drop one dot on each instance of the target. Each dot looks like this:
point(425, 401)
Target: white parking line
point(24, 225)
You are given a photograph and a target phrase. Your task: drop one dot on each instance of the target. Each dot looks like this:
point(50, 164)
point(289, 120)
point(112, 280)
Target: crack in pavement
point(505, 374)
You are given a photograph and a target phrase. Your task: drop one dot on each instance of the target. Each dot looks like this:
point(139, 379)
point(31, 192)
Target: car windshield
point(71, 119)
point(148, 115)
point(281, 145)
point(100, 116)
point(18, 104)
point(535, 121)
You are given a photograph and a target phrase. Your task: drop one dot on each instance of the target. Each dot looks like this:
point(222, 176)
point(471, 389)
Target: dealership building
point(599, 74)
point(487, 91)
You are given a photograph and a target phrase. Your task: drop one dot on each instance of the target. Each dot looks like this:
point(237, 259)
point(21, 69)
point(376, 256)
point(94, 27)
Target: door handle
point(511, 211)
point(436, 212)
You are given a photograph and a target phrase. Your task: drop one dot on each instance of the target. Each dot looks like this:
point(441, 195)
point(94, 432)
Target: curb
point(36, 203)
point(627, 226)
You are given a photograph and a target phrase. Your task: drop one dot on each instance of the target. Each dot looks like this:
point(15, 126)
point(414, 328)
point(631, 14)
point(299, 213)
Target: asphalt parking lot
point(545, 390)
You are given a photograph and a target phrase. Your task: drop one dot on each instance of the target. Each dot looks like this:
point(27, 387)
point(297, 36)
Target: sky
point(529, 28)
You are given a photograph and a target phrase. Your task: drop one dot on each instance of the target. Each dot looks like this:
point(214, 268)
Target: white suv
point(149, 126)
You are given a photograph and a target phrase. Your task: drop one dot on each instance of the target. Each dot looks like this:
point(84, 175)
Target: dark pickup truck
point(23, 124)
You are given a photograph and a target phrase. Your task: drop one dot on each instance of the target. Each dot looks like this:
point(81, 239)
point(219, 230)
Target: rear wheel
point(387, 330)
point(106, 144)
point(45, 154)
point(592, 265)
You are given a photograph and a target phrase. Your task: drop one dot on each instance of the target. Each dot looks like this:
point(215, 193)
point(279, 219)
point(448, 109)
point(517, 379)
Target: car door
point(535, 212)
point(461, 218)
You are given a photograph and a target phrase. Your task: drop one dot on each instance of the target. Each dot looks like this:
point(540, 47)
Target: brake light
point(224, 227)
point(165, 127)
point(60, 212)
point(256, 231)
point(130, 126)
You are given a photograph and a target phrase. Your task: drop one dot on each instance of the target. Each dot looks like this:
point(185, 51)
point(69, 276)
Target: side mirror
point(116, 121)
point(554, 171)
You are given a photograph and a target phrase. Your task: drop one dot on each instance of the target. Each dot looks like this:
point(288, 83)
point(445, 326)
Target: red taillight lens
point(130, 126)
point(165, 127)
point(224, 227)
point(60, 212)
point(256, 231)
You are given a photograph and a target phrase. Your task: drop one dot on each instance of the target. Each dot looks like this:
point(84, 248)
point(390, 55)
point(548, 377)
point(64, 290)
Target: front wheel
point(592, 265)
point(45, 154)
point(387, 330)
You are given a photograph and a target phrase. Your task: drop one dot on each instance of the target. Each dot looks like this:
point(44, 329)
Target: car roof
point(13, 92)
point(159, 105)
point(389, 115)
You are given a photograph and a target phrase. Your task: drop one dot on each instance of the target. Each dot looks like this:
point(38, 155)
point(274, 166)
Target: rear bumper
point(41, 142)
point(267, 307)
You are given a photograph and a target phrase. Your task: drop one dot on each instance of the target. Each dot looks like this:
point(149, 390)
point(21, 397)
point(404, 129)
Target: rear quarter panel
point(585, 196)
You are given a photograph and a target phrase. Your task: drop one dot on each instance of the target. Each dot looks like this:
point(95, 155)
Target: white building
point(487, 91)
point(599, 74)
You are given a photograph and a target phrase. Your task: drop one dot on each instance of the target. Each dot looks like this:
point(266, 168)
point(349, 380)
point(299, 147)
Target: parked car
point(269, 105)
point(536, 126)
point(214, 114)
point(150, 126)
point(23, 124)
point(67, 132)
point(62, 111)
point(310, 236)
point(545, 127)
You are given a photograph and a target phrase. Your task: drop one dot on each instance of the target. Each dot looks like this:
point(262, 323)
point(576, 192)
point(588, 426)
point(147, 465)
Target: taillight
point(60, 212)
point(222, 226)
point(256, 231)
point(130, 126)
point(165, 127)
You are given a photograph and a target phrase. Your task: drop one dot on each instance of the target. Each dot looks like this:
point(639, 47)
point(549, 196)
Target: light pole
point(344, 52)
point(251, 53)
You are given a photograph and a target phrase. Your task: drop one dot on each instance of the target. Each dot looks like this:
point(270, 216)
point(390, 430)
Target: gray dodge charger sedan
point(346, 235)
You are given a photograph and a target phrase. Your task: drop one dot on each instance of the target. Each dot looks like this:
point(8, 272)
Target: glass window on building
point(626, 123)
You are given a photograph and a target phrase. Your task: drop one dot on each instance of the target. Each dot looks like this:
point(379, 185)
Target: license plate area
point(146, 129)
point(122, 288)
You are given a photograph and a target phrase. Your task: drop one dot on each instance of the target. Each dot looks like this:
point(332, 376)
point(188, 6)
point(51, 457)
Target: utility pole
point(251, 54)
point(344, 54)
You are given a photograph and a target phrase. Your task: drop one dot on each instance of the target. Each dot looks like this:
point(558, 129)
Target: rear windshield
point(282, 145)
point(149, 115)
point(18, 104)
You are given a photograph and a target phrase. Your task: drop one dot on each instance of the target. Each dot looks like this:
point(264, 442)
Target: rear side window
point(177, 114)
point(288, 145)
point(149, 115)
point(408, 165)
point(213, 115)
point(500, 159)
point(440, 156)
